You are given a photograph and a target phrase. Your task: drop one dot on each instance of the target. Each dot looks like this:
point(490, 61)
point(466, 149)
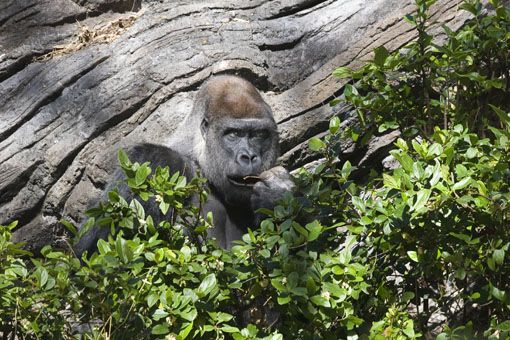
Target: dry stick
point(251, 179)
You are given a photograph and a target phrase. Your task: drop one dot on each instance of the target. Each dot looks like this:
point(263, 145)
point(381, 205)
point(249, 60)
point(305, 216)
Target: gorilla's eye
point(233, 134)
point(262, 134)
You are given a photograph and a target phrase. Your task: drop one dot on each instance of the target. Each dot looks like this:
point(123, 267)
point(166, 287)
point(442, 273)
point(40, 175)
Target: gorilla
point(231, 138)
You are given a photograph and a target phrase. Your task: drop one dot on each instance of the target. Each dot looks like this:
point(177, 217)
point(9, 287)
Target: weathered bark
point(63, 118)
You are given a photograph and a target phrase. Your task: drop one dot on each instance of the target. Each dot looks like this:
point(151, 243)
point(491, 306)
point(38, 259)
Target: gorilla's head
point(239, 137)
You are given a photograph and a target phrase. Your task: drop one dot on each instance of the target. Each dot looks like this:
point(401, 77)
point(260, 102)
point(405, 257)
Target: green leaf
point(498, 294)
point(460, 273)
point(334, 125)
point(391, 182)
point(300, 291)
point(163, 206)
point(471, 153)
point(335, 101)
point(466, 238)
point(409, 329)
point(422, 198)
point(300, 229)
point(138, 208)
point(43, 276)
point(413, 255)
point(491, 264)
point(498, 256)
point(346, 169)
point(190, 314)
point(462, 184)
point(335, 290)
point(314, 230)
point(292, 280)
point(152, 299)
point(343, 72)
point(315, 144)
point(265, 253)
point(405, 161)
point(436, 174)
point(229, 329)
point(380, 55)
point(123, 159)
point(181, 182)
point(160, 329)
point(277, 283)
point(159, 314)
point(223, 317)
point(461, 171)
point(407, 296)
point(69, 226)
point(185, 330)
point(320, 301)
point(283, 300)
point(410, 19)
point(141, 174)
point(207, 285)
point(103, 247)
point(504, 326)
point(435, 150)
point(505, 117)
point(469, 7)
point(120, 247)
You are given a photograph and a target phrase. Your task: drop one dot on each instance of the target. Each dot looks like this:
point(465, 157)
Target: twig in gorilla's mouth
point(246, 181)
point(251, 179)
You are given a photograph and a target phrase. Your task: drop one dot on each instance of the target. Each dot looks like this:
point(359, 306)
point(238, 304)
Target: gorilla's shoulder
point(160, 155)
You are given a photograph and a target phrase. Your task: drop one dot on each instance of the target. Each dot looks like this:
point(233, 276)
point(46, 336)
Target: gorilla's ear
point(204, 126)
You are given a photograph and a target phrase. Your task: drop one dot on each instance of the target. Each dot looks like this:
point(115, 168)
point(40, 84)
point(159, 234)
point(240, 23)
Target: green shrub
point(284, 278)
point(425, 84)
point(439, 227)
point(434, 233)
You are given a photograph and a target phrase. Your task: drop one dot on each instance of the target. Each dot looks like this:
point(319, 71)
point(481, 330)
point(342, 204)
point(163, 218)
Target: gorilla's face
point(236, 151)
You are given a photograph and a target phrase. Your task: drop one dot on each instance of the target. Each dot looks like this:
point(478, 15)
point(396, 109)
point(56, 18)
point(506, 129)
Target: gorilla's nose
point(248, 161)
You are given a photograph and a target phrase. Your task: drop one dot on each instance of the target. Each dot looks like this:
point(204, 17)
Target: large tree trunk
point(118, 77)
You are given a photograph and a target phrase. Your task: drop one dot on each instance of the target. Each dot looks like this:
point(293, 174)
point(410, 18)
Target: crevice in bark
point(281, 46)
point(288, 11)
point(117, 7)
point(123, 7)
point(31, 14)
point(72, 19)
point(27, 215)
point(50, 98)
point(312, 108)
point(9, 191)
point(117, 119)
point(20, 64)
point(7, 18)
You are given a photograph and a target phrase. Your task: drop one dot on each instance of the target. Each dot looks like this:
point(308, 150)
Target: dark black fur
point(157, 155)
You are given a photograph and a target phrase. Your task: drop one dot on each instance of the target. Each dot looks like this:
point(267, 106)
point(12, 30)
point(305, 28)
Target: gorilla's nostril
point(245, 158)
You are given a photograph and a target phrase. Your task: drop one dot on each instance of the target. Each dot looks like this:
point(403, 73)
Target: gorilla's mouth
point(243, 181)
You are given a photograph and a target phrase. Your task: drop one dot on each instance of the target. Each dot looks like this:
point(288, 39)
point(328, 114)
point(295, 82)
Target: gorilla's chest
point(230, 223)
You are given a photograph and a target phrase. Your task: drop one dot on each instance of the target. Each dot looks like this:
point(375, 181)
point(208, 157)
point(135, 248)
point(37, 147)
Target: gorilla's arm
point(157, 155)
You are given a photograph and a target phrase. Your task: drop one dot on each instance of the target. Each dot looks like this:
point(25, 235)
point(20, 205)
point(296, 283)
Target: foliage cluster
point(418, 250)
point(426, 83)
point(149, 281)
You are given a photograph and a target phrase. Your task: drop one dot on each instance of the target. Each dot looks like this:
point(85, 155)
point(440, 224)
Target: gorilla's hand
point(273, 184)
